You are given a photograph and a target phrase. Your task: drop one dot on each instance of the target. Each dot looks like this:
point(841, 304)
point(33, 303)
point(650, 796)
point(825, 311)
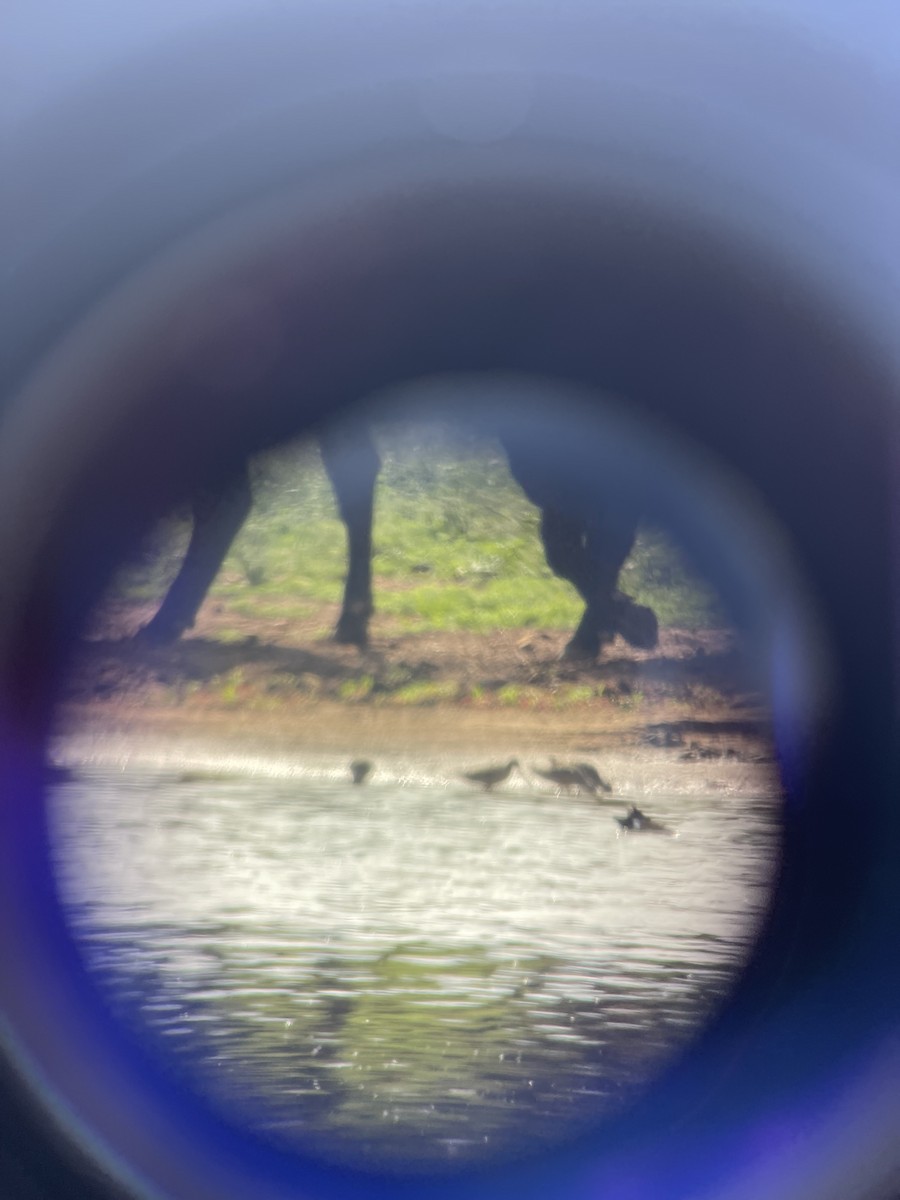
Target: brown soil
point(286, 684)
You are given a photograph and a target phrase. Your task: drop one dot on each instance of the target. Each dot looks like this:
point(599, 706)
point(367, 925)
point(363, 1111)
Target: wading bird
point(360, 769)
point(592, 775)
point(489, 777)
point(638, 822)
point(568, 777)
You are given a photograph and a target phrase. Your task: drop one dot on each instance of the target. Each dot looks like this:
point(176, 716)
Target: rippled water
point(413, 972)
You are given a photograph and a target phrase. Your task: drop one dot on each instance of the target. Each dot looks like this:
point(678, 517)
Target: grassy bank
point(456, 546)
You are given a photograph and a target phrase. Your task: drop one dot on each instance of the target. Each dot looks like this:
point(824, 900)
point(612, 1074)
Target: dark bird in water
point(582, 776)
point(359, 769)
point(489, 777)
point(638, 822)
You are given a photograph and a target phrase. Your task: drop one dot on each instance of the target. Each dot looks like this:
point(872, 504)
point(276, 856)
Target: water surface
point(413, 973)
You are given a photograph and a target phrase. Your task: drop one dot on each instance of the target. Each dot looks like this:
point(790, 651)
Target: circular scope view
point(414, 798)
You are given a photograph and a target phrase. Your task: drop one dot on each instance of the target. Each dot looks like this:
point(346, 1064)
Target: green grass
point(569, 697)
point(230, 637)
point(425, 692)
point(456, 547)
point(357, 689)
point(228, 687)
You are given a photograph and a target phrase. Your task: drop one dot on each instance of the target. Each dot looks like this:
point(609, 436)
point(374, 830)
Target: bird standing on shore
point(582, 776)
point(592, 775)
point(489, 777)
point(564, 777)
point(360, 769)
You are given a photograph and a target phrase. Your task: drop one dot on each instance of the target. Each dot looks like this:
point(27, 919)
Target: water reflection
point(411, 975)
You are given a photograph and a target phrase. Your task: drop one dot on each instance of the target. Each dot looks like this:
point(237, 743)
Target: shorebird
point(578, 775)
point(638, 822)
point(593, 777)
point(488, 777)
point(359, 769)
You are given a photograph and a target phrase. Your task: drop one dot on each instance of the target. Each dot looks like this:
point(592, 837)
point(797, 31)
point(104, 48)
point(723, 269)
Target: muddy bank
point(334, 729)
point(289, 690)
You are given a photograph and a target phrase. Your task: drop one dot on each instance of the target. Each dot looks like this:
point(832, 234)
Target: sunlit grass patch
point(228, 688)
point(497, 604)
point(452, 532)
point(575, 694)
point(229, 637)
point(513, 695)
point(658, 575)
point(357, 689)
point(252, 604)
point(425, 692)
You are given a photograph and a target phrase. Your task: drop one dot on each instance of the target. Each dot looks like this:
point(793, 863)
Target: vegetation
point(456, 547)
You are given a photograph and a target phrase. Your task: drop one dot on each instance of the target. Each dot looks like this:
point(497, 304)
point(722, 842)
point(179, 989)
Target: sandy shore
point(323, 738)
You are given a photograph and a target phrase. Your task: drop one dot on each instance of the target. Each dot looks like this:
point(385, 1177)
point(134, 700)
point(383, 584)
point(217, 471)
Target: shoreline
point(280, 698)
point(320, 739)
